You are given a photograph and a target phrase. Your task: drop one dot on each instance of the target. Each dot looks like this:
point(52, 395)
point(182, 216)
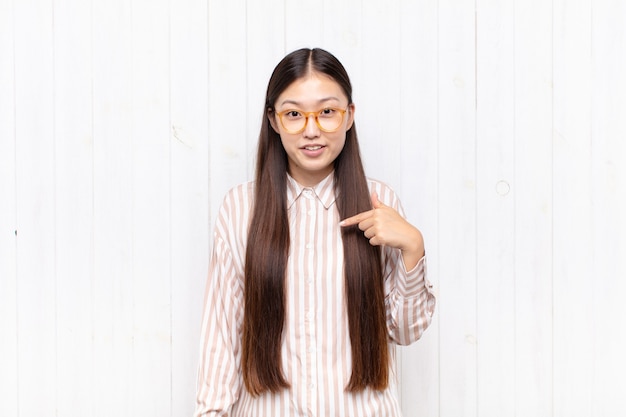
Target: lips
point(313, 151)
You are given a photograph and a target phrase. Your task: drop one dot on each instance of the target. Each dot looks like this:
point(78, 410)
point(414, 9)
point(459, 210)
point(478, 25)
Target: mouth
point(313, 147)
point(313, 151)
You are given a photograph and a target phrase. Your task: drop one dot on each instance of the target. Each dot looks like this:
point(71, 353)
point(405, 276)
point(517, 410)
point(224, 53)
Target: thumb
point(375, 201)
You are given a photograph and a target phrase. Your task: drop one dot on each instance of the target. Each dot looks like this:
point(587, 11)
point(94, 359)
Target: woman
point(302, 309)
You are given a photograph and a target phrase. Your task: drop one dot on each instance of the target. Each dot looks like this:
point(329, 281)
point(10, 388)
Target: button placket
point(310, 216)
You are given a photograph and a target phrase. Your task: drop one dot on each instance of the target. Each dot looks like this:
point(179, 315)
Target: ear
point(271, 116)
point(350, 113)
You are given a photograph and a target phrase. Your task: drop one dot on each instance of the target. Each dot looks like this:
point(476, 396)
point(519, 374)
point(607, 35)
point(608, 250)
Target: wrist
point(414, 244)
point(414, 250)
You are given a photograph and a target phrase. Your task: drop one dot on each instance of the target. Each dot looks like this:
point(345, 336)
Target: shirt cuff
point(414, 282)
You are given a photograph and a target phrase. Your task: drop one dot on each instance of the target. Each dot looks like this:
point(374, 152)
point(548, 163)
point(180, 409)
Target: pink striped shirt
point(316, 355)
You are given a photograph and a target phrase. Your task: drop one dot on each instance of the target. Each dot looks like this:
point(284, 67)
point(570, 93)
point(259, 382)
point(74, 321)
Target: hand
point(384, 226)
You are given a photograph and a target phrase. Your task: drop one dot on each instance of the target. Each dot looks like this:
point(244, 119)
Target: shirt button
point(309, 246)
point(311, 386)
point(311, 212)
point(309, 316)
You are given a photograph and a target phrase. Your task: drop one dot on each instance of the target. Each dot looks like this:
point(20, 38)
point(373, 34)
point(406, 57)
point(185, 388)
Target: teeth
point(312, 148)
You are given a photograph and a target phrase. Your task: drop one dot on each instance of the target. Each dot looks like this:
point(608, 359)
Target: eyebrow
point(297, 103)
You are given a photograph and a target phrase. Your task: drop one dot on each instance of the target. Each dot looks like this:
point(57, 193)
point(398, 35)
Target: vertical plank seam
point(438, 200)
point(590, 200)
point(169, 240)
point(54, 203)
point(93, 209)
point(248, 132)
point(15, 217)
point(131, 369)
point(210, 116)
point(476, 185)
point(552, 405)
point(514, 134)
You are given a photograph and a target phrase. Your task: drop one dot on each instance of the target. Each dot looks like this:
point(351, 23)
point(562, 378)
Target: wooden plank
point(533, 208)
point(379, 92)
point(151, 214)
point(8, 221)
point(35, 205)
point(189, 192)
point(265, 47)
point(112, 164)
point(495, 216)
point(419, 372)
point(227, 99)
point(573, 316)
point(457, 209)
point(73, 205)
point(608, 176)
point(342, 32)
point(303, 24)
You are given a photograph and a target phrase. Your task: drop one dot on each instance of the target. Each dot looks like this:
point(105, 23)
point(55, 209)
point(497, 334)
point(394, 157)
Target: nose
point(311, 130)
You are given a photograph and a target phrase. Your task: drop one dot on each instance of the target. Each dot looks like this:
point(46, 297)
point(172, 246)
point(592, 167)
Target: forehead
point(312, 89)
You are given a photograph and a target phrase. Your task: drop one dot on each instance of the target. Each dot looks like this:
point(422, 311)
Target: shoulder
point(243, 190)
point(238, 196)
point(236, 206)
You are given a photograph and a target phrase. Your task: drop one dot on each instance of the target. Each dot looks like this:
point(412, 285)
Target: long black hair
point(268, 247)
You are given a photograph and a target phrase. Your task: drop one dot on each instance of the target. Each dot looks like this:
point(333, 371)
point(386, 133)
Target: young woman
point(315, 274)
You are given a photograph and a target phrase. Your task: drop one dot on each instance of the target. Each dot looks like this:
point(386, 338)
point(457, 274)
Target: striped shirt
point(316, 353)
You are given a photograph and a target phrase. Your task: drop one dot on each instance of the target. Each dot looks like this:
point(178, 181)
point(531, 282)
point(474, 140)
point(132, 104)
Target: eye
point(292, 114)
point(328, 112)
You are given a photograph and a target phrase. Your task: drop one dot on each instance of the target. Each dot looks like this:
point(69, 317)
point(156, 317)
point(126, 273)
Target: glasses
point(328, 119)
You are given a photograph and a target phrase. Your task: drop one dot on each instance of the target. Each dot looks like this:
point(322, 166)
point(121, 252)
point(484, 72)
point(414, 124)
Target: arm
point(384, 226)
point(409, 298)
point(219, 380)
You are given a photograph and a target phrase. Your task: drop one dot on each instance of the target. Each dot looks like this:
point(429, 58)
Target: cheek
point(287, 142)
point(340, 144)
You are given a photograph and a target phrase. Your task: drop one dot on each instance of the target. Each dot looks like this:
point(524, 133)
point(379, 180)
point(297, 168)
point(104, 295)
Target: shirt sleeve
point(409, 295)
point(219, 380)
point(410, 301)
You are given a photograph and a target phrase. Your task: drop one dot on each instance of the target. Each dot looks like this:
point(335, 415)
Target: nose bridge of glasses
point(316, 122)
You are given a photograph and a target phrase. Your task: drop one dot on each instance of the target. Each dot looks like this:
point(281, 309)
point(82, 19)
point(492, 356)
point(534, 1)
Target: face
point(311, 153)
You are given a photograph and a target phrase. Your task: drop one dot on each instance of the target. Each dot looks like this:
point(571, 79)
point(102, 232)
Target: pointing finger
point(356, 219)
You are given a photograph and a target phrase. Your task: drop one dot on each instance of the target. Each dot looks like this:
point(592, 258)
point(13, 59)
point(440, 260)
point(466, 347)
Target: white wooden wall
point(501, 124)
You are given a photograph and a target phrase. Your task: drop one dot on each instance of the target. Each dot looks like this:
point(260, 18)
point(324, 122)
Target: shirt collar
point(324, 191)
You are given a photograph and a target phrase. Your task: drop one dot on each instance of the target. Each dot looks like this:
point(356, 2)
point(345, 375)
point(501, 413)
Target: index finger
point(356, 219)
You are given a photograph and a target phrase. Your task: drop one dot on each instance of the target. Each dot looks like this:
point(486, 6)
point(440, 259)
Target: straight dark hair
point(268, 248)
